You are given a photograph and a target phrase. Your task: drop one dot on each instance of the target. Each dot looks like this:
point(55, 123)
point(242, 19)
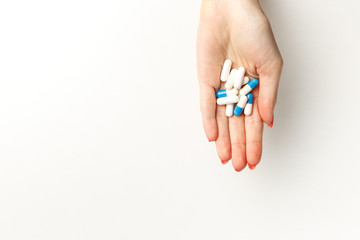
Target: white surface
point(101, 135)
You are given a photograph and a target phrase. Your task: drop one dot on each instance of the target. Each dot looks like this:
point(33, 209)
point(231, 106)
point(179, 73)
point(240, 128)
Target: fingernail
point(252, 167)
point(224, 162)
point(272, 123)
point(237, 170)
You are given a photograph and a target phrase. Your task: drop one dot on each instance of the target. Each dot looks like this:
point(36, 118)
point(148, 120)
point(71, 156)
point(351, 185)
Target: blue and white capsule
point(246, 80)
point(227, 93)
point(240, 106)
point(249, 105)
point(250, 86)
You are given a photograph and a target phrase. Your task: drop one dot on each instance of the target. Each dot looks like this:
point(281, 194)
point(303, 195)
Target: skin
point(237, 30)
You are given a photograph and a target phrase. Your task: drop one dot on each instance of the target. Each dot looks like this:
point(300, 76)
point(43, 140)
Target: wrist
point(210, 4)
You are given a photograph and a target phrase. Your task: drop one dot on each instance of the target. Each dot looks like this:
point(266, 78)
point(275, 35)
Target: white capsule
point(232, 92)
point(246, 80)
point(227, 100)
point(229, 110)
point(225, 70)
point(230, 82)
point(248, 109)
point(239, 77)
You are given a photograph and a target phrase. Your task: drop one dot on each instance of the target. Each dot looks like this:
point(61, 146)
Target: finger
point(269, 82)
point(208, 110)
point(254, 132)
point(223, 141)
point(238, 142)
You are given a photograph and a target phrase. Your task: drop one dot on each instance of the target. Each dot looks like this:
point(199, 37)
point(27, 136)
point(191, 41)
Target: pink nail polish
point(224, 162)
point(252, 167)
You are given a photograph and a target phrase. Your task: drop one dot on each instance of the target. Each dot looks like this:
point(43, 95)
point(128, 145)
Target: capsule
point(229, 110)
point(249, 105)
point(246, 80)
point(240, 106)
point(227, 100)
point(226, 93)
point(239, 77)
point(225, 70)
point(250, 86)
point(230, 82)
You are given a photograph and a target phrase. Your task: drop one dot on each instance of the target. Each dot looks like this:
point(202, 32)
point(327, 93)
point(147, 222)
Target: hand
point(237, 30)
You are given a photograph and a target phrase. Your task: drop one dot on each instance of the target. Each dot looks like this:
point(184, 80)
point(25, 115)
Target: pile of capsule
point(237, 90)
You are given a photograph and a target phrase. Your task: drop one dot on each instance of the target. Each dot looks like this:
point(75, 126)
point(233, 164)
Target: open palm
point(237, 30)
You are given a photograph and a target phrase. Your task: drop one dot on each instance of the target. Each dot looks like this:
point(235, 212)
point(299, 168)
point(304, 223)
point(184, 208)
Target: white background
point(101, 135)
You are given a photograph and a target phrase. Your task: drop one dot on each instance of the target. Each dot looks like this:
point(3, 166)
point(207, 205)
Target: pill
point(240, 106)
point(246, 80)
point(239, 77)
point(225, 70)
point(250, 86)
point(226, 93)
point(229, 109)
point(249, 105)
point(230, 82)
point(227, 100)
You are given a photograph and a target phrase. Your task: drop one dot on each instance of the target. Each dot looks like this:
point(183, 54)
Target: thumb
point(208, 109)
point(269, 82)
